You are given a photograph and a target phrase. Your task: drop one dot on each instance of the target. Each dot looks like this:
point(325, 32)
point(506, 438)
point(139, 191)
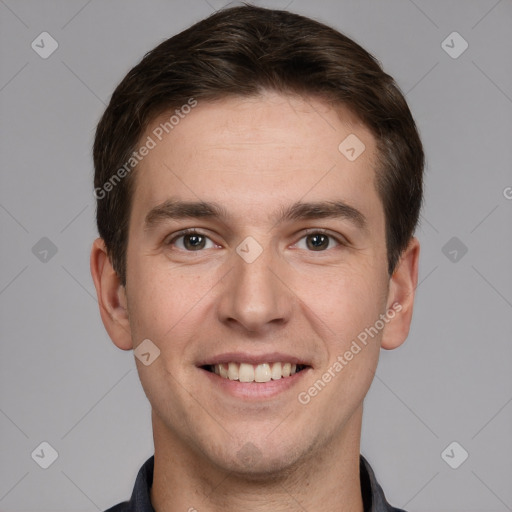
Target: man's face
point(253, 286)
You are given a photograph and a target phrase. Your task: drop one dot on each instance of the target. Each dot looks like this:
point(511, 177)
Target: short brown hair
point(242, 51)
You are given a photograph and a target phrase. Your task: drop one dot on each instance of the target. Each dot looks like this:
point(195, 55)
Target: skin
point(254, 156)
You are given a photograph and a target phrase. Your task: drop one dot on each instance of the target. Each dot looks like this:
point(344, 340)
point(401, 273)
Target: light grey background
point(62, 380)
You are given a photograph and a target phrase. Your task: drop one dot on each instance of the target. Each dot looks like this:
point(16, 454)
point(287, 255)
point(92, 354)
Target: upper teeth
point(255, 373)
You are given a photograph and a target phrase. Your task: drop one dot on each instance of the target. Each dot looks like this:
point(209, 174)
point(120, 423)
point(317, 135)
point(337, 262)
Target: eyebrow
point(174, 209)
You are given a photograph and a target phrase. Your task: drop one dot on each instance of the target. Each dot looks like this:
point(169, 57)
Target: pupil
point(194, 241)
point(318, 242)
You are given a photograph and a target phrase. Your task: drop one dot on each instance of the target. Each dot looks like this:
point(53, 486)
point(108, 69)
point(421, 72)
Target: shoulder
point(121, 507)
point(374, 499)
point(140, 500)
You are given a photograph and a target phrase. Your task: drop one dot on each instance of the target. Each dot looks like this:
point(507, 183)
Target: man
point(258, 182)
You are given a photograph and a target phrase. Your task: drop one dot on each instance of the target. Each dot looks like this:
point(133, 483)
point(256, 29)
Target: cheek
point(165, 299)
point(346, 304)
point(345, 300)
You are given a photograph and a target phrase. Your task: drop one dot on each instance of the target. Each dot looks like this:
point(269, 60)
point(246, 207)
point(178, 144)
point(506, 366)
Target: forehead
point(257, 151)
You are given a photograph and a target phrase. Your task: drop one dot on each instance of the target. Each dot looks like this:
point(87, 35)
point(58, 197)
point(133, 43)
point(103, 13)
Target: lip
point(253, 391)
point(243, 357)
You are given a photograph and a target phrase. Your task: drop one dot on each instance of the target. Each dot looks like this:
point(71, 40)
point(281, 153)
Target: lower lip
point(255, 390)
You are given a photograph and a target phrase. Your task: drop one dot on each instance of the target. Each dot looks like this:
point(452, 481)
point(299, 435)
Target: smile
point(258, 373)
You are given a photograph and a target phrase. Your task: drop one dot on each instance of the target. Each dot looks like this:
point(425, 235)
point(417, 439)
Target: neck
point(327, 480)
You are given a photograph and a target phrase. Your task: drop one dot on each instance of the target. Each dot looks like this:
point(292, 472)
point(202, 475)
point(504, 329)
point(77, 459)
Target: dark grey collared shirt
point(373, 495)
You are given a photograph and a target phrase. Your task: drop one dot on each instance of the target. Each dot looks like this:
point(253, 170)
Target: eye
point(318, 240)
point(191, 240)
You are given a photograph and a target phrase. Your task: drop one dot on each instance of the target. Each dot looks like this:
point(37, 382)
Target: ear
point(111, 297)
point(402, 286)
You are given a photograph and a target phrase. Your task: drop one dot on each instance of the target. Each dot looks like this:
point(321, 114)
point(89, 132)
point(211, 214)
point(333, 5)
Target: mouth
point(255, 373)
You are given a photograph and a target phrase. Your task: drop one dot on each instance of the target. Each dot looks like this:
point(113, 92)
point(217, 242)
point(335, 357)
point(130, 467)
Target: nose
point(255, 297)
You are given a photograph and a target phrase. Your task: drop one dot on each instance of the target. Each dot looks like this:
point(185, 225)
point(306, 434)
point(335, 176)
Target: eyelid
point(336, 236)
point(170, 239)
point(340, 239)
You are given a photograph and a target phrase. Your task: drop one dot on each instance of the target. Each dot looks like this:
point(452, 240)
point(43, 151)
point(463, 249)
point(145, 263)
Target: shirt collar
point(373, 495)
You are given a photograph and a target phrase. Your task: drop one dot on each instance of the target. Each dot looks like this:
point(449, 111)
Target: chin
point(261, 463)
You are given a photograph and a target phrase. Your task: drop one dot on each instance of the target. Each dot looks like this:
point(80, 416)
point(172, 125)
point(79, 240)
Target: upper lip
point(244, 357)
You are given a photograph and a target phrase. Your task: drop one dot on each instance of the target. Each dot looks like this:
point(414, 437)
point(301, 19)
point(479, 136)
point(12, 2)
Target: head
point(237, 127)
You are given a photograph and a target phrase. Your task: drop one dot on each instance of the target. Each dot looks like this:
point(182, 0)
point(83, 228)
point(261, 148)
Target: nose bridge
point(254, 296)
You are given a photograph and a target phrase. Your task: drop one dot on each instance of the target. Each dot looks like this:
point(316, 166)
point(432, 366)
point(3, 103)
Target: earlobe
point(111, 296)
point(402, 287)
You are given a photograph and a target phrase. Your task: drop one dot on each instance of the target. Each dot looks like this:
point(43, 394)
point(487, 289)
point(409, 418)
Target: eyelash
point(185, 232)
point(308, 232)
